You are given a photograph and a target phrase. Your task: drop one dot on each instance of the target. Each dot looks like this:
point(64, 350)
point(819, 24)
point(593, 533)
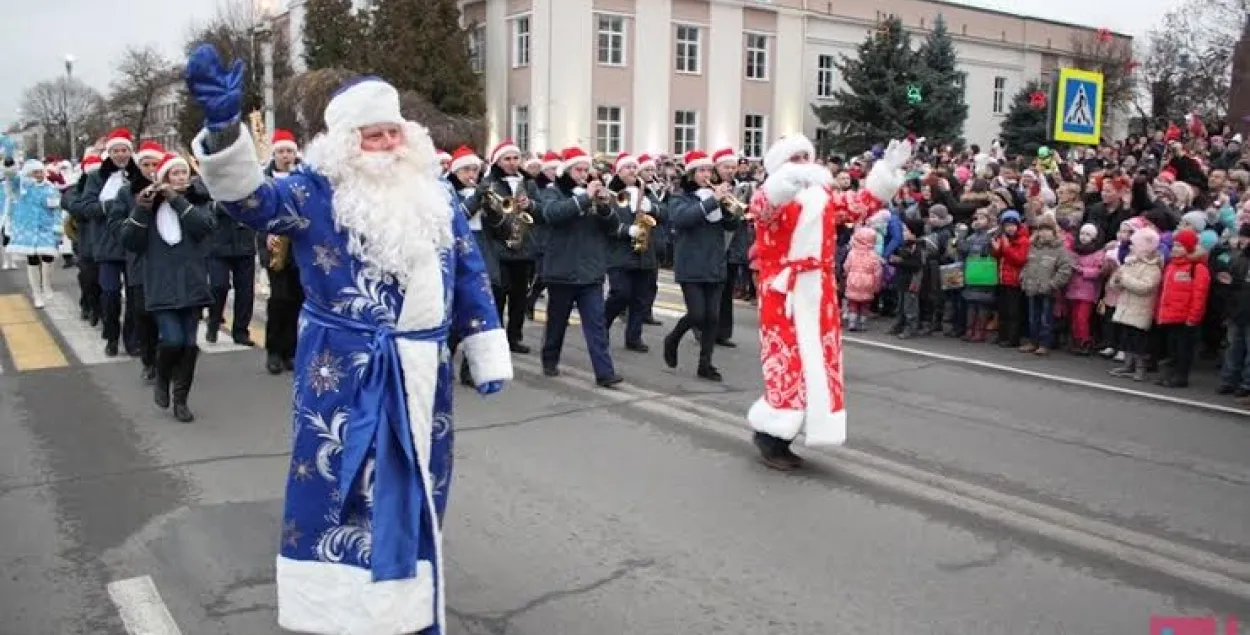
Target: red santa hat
point(551, 161)
point(572, 156)
point(91, 163)
point(463, 157)
point(150, 150)
point(443, 157)
point(283, 139)
point(533, 161)
point(787, 147)
point(645, 161)
point(696, 159)
point(503, 149)
point(168, 162)
point(119, 137)
point(624, 160)
point(364, 101)
point(725, 155)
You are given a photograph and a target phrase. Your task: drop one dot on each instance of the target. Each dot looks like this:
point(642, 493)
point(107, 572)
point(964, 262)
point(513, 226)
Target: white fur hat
point(364, 101)
point(786, 147)
point(32, 165)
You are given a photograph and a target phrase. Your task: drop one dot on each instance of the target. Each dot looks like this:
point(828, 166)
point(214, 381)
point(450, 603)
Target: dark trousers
point(144, 335)
point(1235, 372)
point(725, 325)
point(177, 328)
point(512, 296)
point(110, 279)
point(282, 326)
point(239, 273)
point(89, 287)
point(627, 293)
point(1042, 320)
point(651, 289)
point(588, 298)
point(702, 313)
point(1182, 348)
point(1010, 315)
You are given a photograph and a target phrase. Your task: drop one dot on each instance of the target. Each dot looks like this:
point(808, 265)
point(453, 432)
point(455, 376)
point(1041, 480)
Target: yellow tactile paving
point(30, 343)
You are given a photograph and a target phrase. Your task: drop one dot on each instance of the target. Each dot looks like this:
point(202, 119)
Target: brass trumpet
point(734, 206)
point(502, 204)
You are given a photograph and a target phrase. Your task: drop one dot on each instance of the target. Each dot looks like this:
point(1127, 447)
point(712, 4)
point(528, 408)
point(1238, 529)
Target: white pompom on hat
point(364, 101)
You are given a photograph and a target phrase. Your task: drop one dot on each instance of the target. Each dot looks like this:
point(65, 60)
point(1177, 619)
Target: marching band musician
point(88, 273)
point(657, 191)
point(143, 338)
point(516, 262)
point(286, 294)
point(699, 258)
point(575, 264)
point(726, 162)
point(632, 267)
point(231, 263)
point(486, 222)
point(546, 178)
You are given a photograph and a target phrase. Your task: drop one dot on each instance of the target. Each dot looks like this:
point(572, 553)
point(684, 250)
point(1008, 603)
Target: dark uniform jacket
point(495, 180)
point(623, 255)
point(699, 246)
point(92, 215)
point(581, 233)
point(174, 276)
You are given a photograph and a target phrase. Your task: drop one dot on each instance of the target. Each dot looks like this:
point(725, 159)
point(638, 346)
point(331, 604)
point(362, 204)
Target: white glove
point(634, 231)
point(897, 154)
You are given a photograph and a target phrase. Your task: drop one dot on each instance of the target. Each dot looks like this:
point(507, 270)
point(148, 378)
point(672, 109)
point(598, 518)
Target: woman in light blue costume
point(387, 270)
point(35, 227)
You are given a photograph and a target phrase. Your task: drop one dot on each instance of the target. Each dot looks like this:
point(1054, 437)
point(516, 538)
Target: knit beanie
point(1145, 241)
point(1009, 216)
point(1186, 238)
point(940, 216)
point(1197, 220)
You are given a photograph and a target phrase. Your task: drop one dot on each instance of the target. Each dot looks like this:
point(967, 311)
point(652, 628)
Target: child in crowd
point(1138, 282)
point(980, 275)
point(1047, 270)
point(908, 282)
point(1113, 258)
point(1011, 248)
point(863, 277)
point(1182, 305)
point(1084, 287)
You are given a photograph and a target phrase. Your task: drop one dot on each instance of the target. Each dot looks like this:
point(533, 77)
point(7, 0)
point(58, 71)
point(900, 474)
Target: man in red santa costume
point(796, 221)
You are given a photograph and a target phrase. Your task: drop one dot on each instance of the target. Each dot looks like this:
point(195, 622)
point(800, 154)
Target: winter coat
point(864, 271)
point(581, 232)
point(1012, 257)
point(1086, 275)
point(1138, 282)
point(1239, 289)
point(174, 276)
point(1048, 267)
point(699, 250)
point(87, 208)
point(976, 245)
point(1111, 261)
point(1183, 292)
point(35, 222)
point(909, 267)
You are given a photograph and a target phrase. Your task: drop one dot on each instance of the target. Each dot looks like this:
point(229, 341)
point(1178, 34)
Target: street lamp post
point(69, 121)
point(263, 32)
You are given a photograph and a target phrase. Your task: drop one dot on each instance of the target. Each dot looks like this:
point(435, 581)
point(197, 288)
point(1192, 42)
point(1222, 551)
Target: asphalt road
point(970, 500)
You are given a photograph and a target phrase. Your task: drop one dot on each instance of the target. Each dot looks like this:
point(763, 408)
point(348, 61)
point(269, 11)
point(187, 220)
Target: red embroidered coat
point(800, 325)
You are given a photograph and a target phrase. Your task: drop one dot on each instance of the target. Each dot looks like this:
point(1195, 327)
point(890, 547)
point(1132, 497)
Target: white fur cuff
point(232, 174)
point(335, 599)
point(783, 424)
point(490, 358)
point(883, 182)
point(825, 429)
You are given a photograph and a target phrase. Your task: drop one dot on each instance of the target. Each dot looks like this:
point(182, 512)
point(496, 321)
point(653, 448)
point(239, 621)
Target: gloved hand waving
point(217, 89)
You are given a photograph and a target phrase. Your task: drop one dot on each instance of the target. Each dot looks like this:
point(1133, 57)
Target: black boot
point(774, 452)
point(274, 363)
point(166, 361)
point(183, 377)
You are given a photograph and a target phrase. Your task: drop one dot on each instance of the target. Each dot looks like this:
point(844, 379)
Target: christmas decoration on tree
point(1025, 129)
point(913, 94)
point(1037, 100)
point(942, 116)
point(1104, 35)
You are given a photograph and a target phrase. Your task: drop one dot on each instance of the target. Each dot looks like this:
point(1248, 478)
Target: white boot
point(6, 260)
point(36, 285)
point(46, 269)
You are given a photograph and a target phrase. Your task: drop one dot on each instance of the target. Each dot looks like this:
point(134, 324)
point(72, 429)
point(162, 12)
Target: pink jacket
point(863, 266)
point(1085, 277)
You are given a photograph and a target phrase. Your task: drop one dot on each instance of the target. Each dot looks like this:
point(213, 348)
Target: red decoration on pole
point(1037, 100)
point(1104, 35)
point(1131, 65)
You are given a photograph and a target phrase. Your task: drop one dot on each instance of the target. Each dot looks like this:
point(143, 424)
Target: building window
point(521, 42)
point(609, 129)
point(687, 41)
point(757, 56)
point(1000, 95)
point(753, 136)
point(477, 49)
point(612, 40)
point(521, 127)
point(824, 77)
point(685, 131)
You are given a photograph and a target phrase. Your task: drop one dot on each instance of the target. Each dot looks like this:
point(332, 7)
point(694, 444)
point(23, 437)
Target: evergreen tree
point(332, 35)
point(419, 45)
point(1025, 128)
point(943, 111)
point(873, 107)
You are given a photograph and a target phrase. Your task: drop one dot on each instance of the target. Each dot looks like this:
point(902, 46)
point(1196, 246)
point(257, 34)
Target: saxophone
point(280, 251)
point(642, 220)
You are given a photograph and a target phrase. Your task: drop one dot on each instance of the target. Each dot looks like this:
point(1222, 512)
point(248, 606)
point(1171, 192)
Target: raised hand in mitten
point(217, 89)
point(898, 154)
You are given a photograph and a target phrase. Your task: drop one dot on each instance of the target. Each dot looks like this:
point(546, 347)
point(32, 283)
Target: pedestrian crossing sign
point(1078, 107)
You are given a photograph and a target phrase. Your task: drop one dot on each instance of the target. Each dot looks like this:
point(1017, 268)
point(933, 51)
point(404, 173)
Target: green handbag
point(981, 271)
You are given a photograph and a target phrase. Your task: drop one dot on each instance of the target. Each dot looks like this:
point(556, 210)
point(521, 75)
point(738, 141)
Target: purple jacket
point(1086, 276)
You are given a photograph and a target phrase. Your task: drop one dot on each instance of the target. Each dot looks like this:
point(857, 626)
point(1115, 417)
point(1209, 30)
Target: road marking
point(30, 344)
point(1159, 555)
point(1071, 381)
point(83, 340)
point(142, 610)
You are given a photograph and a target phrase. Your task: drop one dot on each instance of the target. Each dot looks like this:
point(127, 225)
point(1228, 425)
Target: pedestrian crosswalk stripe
point(31, 345)
point(83, 340)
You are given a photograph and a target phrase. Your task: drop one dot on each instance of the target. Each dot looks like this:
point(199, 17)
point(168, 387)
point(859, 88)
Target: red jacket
point(1012, 258)
point(1183, 295)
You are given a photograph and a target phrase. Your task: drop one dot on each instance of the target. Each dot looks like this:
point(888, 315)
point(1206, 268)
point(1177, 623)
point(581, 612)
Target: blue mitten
point(489, 388)
point(218, 90)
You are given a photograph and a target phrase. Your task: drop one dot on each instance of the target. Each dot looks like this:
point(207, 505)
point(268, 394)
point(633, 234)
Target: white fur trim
point(490, 358)
point(502, 152)
point(339, 599)
point(365, 104)
point(780, 153)
point(565, 165)
point(788, 180)
point(289, 145)
point(552, 165)
point(169, 165)
point(148, 154)
point(626, 162)
point(117, 141)
point(699, 163)
point(464, 162)
point(783, 424)
point(232, 174)
point(883, 182)
point(649, 163)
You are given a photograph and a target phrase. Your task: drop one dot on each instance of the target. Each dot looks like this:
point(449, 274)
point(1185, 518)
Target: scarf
point(168, 225)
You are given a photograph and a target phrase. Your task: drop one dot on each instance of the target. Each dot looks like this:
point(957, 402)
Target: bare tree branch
point(142, 75)
point(56, 104)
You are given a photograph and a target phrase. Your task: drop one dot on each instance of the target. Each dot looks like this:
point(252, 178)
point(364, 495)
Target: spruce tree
point(872, 106)
point(1025, 128)
point(332, 35)
point(419, 45)
point(943, 112)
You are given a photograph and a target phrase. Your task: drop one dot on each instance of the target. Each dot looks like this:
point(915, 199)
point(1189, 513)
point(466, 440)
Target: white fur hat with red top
point(645, 161)
point(150, 150)
point(624, 160)
point(725, 155)
point(91, 163)
point(283, 140)
point(168, 162)
point(503, 149)
point(551, 161)
point(463, 157)
point(119, 137)
point(696, 159)
point(572, 156)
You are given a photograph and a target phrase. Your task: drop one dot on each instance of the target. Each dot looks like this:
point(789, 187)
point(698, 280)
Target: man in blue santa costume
point(388, 270)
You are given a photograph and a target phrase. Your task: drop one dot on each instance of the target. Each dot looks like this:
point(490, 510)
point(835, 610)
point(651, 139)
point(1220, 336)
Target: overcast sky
point(95, 32)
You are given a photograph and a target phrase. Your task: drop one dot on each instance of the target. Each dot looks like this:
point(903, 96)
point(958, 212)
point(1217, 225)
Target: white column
point(541, 73)
point(653, 69)
point(573, 36)
point(724, 68)
point(789, 99)
point(495, 77)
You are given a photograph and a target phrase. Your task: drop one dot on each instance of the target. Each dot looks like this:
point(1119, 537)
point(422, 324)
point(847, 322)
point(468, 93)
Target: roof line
point(1009, 14)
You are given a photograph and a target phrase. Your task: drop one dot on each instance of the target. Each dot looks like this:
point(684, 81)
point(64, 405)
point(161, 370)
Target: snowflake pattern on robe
point(34, 218)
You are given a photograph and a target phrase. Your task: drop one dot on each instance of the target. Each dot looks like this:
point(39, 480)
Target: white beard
point(395, 212)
